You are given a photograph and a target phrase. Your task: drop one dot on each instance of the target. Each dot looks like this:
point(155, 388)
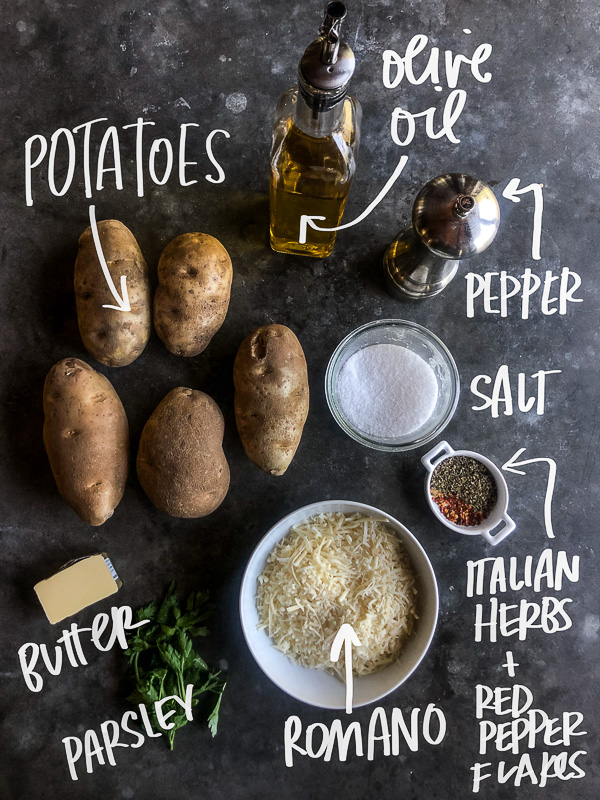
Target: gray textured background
point(66, 63)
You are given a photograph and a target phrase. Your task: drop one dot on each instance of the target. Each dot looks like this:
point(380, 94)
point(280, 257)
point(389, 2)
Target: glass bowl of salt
point(392, 385)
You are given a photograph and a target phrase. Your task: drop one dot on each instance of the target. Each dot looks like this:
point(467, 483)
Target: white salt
point(386, 391)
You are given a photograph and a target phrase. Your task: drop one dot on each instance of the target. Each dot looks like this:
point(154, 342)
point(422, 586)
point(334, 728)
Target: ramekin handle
point(441, 448)
point(506, 530)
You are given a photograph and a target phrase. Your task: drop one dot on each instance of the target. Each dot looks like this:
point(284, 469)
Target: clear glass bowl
point(420, 341)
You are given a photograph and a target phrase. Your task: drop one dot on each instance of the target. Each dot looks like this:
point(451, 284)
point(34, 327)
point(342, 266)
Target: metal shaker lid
point(328, 63)
point(456, 216)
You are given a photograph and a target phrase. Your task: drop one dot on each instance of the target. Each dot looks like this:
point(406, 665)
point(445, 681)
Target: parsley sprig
point(162, 659)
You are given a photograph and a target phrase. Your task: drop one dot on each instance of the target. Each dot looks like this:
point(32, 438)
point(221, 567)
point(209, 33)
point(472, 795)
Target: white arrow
point(512, 192)
point(510, 467)
point(347, 637)
point(123, 302)
point(307, 219)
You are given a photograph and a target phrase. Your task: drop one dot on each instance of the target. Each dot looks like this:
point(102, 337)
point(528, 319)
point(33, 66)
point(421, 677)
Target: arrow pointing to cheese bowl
point(511, 465)
point(307, 219)
point(123, 302)
point(512, 192)
point(346, 637)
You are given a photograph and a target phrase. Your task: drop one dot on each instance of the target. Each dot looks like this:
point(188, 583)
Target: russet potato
point(113, 337)
point(87, 439)
point(192, 298)
point(271, 396)
point(181, 464)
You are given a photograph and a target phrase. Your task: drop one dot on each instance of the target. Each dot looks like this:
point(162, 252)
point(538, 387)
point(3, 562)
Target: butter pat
point(77, 585)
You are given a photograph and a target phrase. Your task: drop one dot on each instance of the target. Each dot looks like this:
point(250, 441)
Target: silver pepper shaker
point(454, 217)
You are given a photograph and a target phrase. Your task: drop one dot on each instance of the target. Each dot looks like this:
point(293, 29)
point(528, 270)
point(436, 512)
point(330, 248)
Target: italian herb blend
point(464, 489)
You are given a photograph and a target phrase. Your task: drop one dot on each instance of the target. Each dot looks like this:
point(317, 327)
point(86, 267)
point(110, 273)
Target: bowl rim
point(308, 511)
point(373, 443)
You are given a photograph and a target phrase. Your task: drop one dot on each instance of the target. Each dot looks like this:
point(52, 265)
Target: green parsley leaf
point(162, 660)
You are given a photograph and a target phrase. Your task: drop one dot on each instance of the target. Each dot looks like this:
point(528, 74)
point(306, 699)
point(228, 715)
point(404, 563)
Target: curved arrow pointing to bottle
point(307, 219)
point(347, 637)
point(123, 302)
point(514, 462)
point(512, 192)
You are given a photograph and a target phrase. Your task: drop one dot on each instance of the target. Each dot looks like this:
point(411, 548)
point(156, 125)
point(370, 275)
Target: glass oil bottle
point(315, 141)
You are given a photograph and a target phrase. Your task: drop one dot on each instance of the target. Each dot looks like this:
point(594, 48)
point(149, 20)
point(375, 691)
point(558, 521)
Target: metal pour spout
point(330, 30)
point(328, 63)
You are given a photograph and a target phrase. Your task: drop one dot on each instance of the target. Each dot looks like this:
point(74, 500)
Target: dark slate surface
point(223, 66)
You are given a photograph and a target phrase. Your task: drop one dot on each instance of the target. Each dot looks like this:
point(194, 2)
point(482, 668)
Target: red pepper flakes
point(456, 510)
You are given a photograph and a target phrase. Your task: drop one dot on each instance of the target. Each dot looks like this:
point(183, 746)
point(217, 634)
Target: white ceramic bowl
point(315, 687)
point(498, 518)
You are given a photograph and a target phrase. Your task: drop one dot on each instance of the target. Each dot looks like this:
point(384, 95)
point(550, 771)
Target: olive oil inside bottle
point(314, 145)
point(309, 176)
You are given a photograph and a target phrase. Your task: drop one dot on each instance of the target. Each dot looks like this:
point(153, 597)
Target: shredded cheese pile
point(333, 569)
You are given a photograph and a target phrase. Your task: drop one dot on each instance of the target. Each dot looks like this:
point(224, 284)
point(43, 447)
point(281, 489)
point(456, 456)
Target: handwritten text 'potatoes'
point(65, 154)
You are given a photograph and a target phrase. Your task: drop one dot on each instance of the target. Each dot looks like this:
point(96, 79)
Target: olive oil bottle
point(315, 141)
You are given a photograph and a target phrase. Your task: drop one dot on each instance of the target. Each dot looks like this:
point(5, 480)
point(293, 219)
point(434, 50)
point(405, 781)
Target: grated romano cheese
point(333, 569)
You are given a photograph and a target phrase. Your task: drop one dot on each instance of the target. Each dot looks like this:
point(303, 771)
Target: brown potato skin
point(192, 298)
point(115, 338)
point(271, 396)
point(180, 463)
point(87, 439)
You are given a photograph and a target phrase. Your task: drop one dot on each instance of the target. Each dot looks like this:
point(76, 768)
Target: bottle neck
point(318, 123)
